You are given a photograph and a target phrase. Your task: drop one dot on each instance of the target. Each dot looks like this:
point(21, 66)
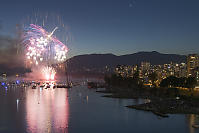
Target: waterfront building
point(192, 64)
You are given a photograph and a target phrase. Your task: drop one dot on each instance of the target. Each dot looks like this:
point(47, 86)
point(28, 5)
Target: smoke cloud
point(11, 56)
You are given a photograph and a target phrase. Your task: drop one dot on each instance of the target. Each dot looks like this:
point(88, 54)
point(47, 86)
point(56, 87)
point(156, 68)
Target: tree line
point(185, 82)
point(135, 81)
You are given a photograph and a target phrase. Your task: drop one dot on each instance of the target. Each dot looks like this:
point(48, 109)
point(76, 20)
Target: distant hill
point(99, 61)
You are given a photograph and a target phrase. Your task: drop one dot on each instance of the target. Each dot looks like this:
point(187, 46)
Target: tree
point(107, 80)
point(172, 81)
point(123, 82)
point(191, 82)
point(153, 77)
point(136, 78)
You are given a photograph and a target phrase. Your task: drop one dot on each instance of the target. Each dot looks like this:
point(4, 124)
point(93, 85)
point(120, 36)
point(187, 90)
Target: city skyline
point(99, 66)
point(118, 27)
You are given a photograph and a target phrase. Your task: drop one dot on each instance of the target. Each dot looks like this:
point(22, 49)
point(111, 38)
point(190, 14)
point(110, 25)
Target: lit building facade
point(192, 64)
point(126, 70)
point(162, 71)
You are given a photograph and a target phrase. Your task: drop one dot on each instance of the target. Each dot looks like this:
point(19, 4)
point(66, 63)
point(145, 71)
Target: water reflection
point(47, 110)
point(192, 120)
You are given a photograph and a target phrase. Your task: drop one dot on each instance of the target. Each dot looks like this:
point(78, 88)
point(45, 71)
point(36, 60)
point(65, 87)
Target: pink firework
point(42, 47)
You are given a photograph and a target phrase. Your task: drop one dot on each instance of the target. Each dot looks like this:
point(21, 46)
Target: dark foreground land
point(160, 101)
point(163, 107)
point(163, 100)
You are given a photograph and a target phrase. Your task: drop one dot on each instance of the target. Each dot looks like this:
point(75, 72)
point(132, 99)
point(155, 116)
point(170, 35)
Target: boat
point(48, 86)
point(34, 87)
point(63, 86)
point(195, 126)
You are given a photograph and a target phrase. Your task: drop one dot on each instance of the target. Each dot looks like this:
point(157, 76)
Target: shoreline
point(165, 107)
point(158, 105)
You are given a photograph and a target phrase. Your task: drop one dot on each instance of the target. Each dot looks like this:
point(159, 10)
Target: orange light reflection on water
point(47, 110)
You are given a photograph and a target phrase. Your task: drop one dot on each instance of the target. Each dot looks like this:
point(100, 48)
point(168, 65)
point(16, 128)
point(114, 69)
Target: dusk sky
point(116, 26)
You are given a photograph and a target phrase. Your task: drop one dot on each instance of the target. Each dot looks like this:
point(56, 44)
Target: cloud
point(9, 51)
point(11, 55)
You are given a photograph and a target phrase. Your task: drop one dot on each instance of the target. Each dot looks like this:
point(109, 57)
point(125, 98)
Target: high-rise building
point(180, 70)
point(183, 70)
point(145, 71)
point(192, 64)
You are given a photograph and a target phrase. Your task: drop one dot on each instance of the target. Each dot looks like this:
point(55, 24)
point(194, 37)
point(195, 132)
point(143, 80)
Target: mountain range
point(98, 61)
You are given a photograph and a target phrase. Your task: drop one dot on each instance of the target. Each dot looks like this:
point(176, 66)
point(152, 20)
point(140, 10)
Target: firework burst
point(43, 49)
point(49, 73)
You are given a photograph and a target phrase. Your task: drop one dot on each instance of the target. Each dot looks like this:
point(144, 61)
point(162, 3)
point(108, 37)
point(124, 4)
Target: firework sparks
point(49, 73)
point(43, 48)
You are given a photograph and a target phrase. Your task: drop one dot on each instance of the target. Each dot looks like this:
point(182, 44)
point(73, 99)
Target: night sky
point(115, 26)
